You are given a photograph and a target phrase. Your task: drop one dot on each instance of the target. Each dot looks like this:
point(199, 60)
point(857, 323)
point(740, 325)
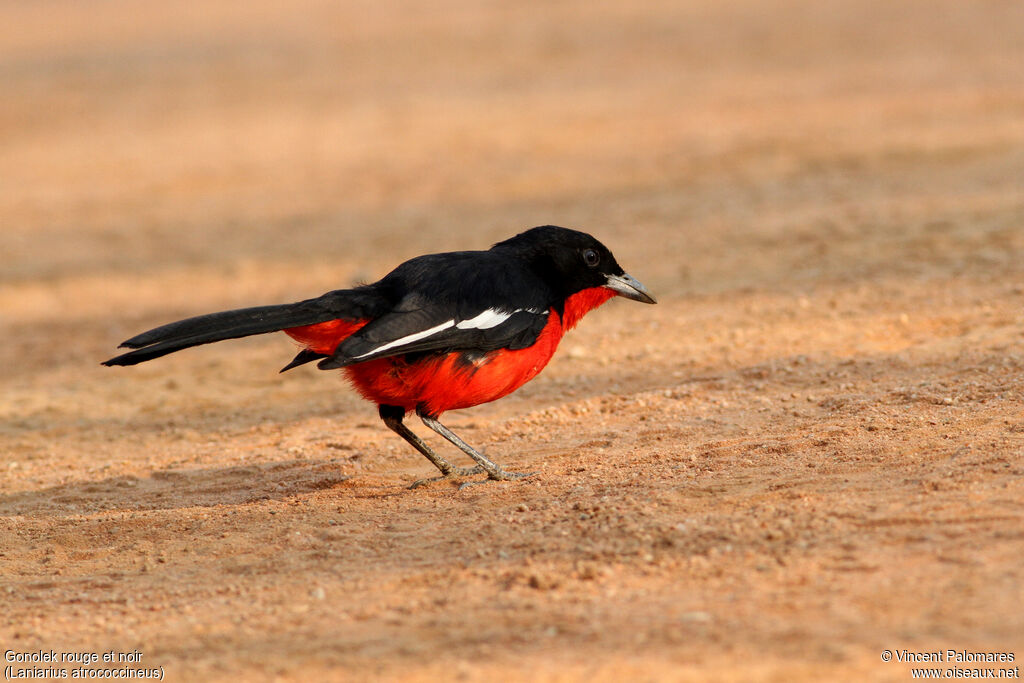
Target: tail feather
point(244, 322)
point(302, 357)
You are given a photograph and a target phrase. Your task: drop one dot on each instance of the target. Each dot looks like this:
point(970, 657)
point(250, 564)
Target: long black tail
point(350, 304)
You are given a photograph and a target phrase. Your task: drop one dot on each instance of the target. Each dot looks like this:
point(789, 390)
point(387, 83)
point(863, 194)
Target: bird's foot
point(455, 473)
point(499, 475)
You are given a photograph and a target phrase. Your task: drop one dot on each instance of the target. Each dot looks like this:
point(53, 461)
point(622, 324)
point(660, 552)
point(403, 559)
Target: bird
point(440, 332)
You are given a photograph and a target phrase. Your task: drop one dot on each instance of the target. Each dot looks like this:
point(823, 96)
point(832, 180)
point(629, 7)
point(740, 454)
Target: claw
point(455, 473)
point(500, 475)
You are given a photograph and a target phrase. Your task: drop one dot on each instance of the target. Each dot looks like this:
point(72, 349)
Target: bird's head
point(572, 261)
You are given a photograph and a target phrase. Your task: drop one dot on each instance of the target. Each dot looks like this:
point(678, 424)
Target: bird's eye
point(591, 257)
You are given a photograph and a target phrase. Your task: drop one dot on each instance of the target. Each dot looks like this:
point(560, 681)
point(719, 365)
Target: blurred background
point(712, 145)
point(808, 451)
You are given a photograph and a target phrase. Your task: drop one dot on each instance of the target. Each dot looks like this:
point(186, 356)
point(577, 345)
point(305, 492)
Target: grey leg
point(493, 469)
point(392, 417)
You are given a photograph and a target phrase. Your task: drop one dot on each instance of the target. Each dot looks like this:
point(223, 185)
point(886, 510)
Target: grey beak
point(629, 287)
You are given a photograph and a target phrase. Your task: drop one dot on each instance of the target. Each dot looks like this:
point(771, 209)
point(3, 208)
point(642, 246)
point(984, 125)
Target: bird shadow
point(176, 488)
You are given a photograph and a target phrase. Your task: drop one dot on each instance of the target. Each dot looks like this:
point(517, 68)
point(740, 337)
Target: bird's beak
point(628, 286)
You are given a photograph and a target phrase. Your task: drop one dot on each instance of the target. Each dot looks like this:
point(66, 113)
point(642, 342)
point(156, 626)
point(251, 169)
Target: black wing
point(462, 301)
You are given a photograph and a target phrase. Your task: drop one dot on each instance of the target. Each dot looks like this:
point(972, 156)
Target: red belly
point(455, 380)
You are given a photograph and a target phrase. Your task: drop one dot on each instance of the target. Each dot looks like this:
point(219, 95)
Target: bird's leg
point(493, 469)
point(392, 417)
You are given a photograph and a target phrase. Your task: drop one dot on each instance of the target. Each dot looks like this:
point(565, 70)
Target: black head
point(571, 261)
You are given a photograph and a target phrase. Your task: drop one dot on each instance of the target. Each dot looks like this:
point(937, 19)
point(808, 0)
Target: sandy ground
point(809, 452)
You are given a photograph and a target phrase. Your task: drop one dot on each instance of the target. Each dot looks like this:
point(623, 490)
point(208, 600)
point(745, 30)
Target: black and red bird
point(439, 332)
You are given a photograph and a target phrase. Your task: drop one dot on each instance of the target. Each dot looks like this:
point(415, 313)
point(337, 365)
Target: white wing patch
point(484, 321)
point(491, 318)
point(408, 339)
